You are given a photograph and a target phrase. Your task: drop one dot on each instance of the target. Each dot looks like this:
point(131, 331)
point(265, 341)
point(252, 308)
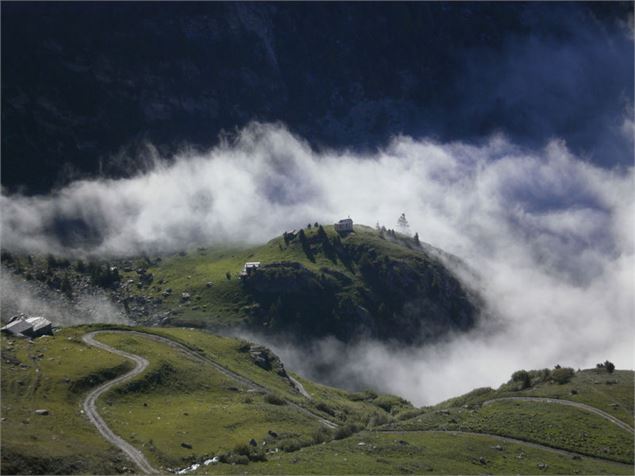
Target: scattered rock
point(42, 411)
point(209, 284)
point(574, 391)
point(542, 466)
point(497, 447)
point(253, 442)
point(482, 460)
point(273, 434)
point(267, 360)
point(186, 445)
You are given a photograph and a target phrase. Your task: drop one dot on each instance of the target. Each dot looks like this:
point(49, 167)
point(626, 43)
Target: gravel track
point(508, 439)
point(229, 373)
point(581, 406)
point(90, 408)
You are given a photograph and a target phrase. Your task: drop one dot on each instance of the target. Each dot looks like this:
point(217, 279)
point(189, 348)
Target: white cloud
point(552, 236)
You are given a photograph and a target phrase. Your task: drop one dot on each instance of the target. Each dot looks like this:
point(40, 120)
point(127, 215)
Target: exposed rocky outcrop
point(409, 299)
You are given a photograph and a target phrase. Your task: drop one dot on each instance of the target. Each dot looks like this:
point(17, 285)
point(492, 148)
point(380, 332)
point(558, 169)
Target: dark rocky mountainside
point(85, 85)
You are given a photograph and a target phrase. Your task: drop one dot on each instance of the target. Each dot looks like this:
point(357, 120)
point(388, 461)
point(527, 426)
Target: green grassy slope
point(339, 285)
point(420, 453)
point(181, 411)
point(176, 400)
point(54, 373)
point(609, 392)
point(313, 284)
point(552, 425)
point(181, 401)
point(503, 412)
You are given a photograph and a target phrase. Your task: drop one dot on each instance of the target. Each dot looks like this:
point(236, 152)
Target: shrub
point(378, 419)
point(609, 366)
point(243, 454)
point(361, 396)
point(290, 445)
point(274, 399)
point(238, 459)
point(410, 414)
point(390, 403)
point(323, 407)
point(346, 430)
point(322, 435)
point(562, 375)
point(522, 378)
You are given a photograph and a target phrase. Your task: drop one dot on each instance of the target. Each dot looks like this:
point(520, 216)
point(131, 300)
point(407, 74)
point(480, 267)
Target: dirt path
point(515, 441)
point(134, 454)
point(90, 407)
point(300, 388)
point(229, 373)
point(581, 406)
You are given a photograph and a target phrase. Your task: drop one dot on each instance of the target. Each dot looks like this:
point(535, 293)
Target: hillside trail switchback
point(90, 407)
point(89, 404)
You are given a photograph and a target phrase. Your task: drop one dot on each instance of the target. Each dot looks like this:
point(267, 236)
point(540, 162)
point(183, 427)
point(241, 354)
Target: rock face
point(267, 360)
point(409, 300)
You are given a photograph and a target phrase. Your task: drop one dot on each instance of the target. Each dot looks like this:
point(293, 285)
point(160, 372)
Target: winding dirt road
point(90, 407)
point(581, 406)
point(228, 373)
point(141, 364)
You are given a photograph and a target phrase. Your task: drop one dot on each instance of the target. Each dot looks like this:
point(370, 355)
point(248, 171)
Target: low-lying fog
point(550, 234)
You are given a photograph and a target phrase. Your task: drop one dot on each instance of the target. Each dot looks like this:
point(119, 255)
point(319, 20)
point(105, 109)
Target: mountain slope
point(311, 284)
point(102, 79)
point(205, 396)
point(365, 282)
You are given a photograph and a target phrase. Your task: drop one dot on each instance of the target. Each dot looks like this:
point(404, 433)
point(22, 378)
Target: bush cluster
point(274, 399)
point(562, 375)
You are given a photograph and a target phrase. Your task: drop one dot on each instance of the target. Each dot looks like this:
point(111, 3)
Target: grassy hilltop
point(181, 411)
point(313, 283)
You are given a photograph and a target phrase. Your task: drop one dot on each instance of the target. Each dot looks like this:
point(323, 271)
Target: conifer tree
point(402, 224)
